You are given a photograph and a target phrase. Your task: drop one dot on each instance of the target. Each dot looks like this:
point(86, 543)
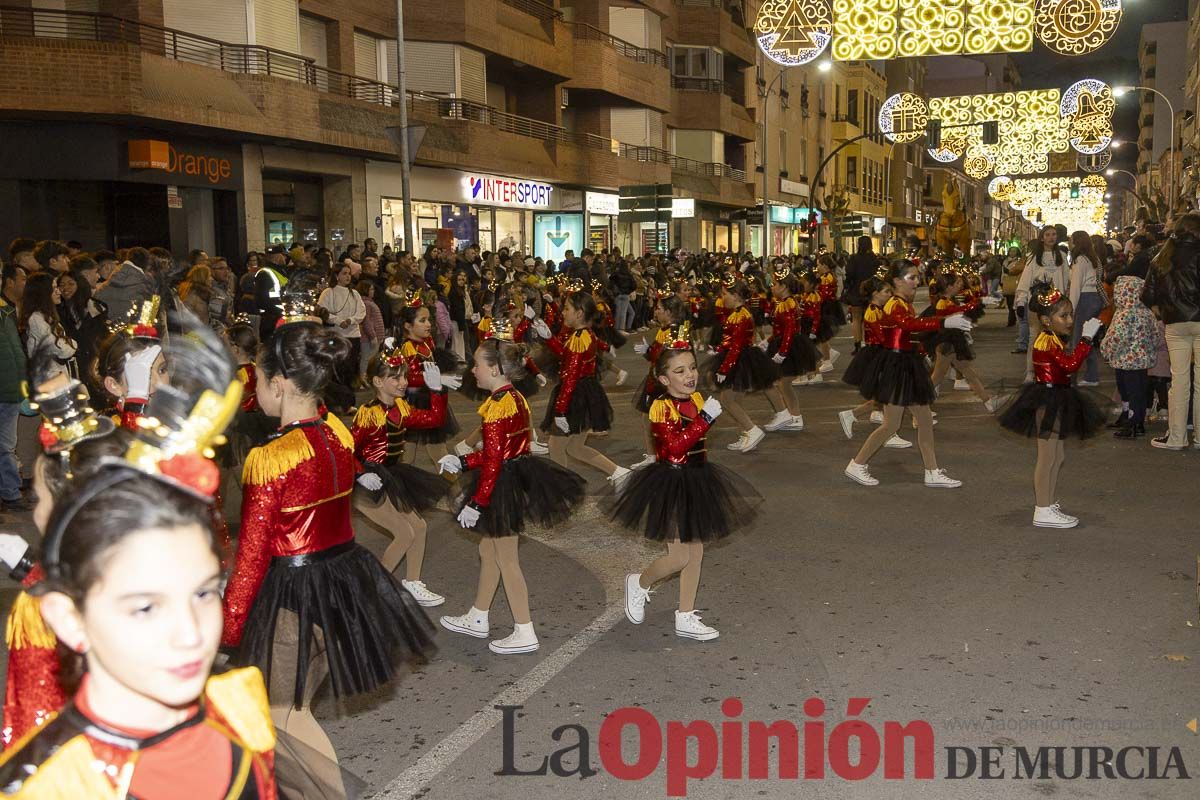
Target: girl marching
point(739, 366)
point(832, 313)
point(791, 350)
point(1050, 408)
point(953, 347)
point(808, 309)
point(668, 312)
point(877, 290)
point(418, 350)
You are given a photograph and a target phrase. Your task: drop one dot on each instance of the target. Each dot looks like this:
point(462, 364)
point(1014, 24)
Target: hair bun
point(327, 346)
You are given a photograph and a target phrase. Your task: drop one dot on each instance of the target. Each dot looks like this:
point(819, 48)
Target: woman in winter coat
point(1130, 348)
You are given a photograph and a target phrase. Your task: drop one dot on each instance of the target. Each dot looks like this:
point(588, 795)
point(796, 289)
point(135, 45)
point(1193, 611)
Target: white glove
point(957, 322)
point(812, 336)
point(433, 376)
point(1091, 328)
point(712, 407)
point(779, 358)
point(541, 379)
point(542, 329)
point(562, 424)
point(450, 464)
point(641, 348)
point(721, 378)
point(546, 296)
point(764, 345)
point(12, 549)
point(475, 317)
point(137, 371)
point(468, 517)
point(451, 382)
point(529, 312)
point(370, 481)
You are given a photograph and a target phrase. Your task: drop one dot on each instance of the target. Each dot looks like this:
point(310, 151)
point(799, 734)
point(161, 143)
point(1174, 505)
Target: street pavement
point(942, 606)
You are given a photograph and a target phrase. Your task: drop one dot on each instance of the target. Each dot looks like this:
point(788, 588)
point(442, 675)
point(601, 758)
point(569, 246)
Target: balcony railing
point(544, 12)
point(642, 55)
point(713, 85)
point(244, 59)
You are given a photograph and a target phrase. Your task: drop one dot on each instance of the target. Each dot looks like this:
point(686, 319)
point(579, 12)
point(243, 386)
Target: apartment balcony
point(845, 127)
point(706, 22)
point(710, 105)
point(528, 32)
point(606, 64)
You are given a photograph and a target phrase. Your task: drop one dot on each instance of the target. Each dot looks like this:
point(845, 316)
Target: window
point(695, 62)
point(783, 150)
point(760, 144)
point(852, 106)
point(852, 172)
point(837, 100)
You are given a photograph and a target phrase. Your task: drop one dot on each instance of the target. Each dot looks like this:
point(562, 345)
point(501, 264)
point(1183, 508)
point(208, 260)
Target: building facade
point(1162, 65)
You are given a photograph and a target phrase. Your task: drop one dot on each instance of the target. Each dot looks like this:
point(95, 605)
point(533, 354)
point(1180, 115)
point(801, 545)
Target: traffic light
point(1054, 193)
point(934, 135)
point(1074, 190)
point(991, 132)
point(812, 222)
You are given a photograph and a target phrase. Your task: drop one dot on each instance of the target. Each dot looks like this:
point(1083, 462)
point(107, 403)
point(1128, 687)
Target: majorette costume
point(508, 485)
point(143, 324)
point(225, 747)
point(1051, 407)
point(900, 377)
point(608, 329)
point(379, 438)
point(578, 395)
point(951, 339)
point(682, 495)
point(759, 303)
point(865, 361)
point(799, 352)
point(810, 313)
point(417, 394)
point(297, 553)
point(746, 368)
point(832, 313)
point(651, 388)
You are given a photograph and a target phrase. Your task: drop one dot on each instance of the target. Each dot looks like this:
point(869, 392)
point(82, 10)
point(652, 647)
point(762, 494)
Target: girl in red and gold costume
point(578, 404)
point(129, 365)
point(953, 348)
point(791, 350)
point(304, 600)
point(739, 366)
point(1050, 408)
point(418, 350)
point(900, 380)
point(390, 493)
point(808, 308)
point(668, 313)
point(877, 290)
point(508, 486)
point(606, 328)
point(832, 313)
point(682, 499)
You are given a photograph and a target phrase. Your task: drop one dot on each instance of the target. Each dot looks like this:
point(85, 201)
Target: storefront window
point(510, 230)
point(599, 232)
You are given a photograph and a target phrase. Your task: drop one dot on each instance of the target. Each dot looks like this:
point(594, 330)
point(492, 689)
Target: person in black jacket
point(1173, 290)
point(862, 265)
point(622, 284)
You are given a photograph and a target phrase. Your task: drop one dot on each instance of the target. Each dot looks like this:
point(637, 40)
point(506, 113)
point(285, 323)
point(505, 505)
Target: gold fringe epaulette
point(26, 628)
point(340, 431)
point(892, 303)
point(872, 314)
point(243, 375)
point(739, 315)
point(663, 336)
point(580, 341)
point(403, 408)
point(370, 415)
point(240, 698)
point(665, 409)
point(276, 458)
point(1048, 341)
point(70, 774)
point(505, 407)
point(787, 304)
point(408, 350)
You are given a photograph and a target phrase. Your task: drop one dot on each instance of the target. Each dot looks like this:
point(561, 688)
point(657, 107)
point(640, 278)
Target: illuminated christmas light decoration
point(1076, 27)
point(903, 117)
point(1096, 162)
point(1089, 105)
point(1050, 197)
point(792, 32)
point(1001, 188)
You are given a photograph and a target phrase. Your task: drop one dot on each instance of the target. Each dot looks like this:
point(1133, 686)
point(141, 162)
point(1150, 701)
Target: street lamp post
point(1121, 91)
point(765, 94)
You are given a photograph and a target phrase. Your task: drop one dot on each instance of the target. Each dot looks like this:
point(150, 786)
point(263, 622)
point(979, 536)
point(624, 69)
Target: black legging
point(1009, 300)
point(1131, 384)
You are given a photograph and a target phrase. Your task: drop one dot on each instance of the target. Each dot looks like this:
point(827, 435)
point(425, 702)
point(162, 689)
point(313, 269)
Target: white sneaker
point(877, 417)
point(422, 595)
point(818, 378)
point(537, 448)
point(860, 474)
point(826, 366)
point(463, 449)
point(738, 445)
point(647, 460)
point(635, 599)
point(796, 423)
point(1063, 514)
point(1051, 517)
point(618, 477)
point(961, 385)
point(689, 626)
point(473, 623)
point(834, 355)
point(847, 419)
point(938, 479)
point(991, 404)
point(896, 443)
point(753, 437)
point(801, 381)
point(621, 376)
point(779, 421)
point(521, 640)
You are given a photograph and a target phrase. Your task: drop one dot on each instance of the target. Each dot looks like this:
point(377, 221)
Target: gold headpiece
point(391, 352)
point(1049, 297)
point(412, 298)
point(782, 271)
point(729, 280)
point(501, 329)
point(680, 336)
point(142, 322)
point(67, 415)
point(298, 308)
point(597, 285)
point(883, 272)
point(573, 285)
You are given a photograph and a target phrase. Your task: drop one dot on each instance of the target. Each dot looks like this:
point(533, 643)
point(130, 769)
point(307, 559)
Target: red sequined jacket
point(506, 435)
point(810, 312)
point(378, 431)
point(32, 691)
point(873, 320)
point(249, 378)
point(736, 335)
point(827, 287)
point(577, 359)
point(417, 354)
point(785, 324)
point(1052, 364)
point(679, 429)
point(552, 315)
point(945, 306)
point(901, 321)
point(295, 500)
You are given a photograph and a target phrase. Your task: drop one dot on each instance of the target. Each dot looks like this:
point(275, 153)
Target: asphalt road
point(940, 606)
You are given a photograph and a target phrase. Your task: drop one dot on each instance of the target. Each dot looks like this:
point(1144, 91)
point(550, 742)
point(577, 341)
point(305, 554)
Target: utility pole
point(405, 156)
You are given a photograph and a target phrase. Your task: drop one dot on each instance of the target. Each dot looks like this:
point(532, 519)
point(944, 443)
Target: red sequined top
point(679, 430)
point(810, 311)
point(417, 354)
point(379, 431)
point(506, 435)
point(785, 324)
point(1052, 363)
point(32, 692)
point(295, 500)
point(551, 314)
point(945, 306)
point(827, 287)
point(249, 378)
point(901, 321)
point(577, 359)
point(873, 321)
point(736, 335)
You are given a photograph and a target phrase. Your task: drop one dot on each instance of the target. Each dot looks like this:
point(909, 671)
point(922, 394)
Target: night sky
point(1115, 63)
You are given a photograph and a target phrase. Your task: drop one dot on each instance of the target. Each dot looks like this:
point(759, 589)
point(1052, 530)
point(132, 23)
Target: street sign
point(651, 202)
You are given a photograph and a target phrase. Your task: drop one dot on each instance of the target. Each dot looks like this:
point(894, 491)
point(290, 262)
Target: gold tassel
point(403, 409)
point(1047, 341)
point(26, 627)
point(265, 464)
point(872, 314)
point(698, 401)
point(340, 431)
point(370, 415)
point(505, 407)
point(663, 410)
point(740, 315)
point(580, 341)
point(409, 349)
point(69, 774)
point(663, 336)
point(891, 304)
point(240, 697)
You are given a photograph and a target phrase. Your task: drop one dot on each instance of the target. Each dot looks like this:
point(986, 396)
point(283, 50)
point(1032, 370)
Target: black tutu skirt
point(650, 391)
point(802, 357)
point(754, 371)
point(1052, 412)
point(832, 315)
point(371, 624)
point(409, 488)
point(865, 362)
point(589, 409)
point(420, 398)
point(898, 379)
point(528, 489)
point(951, 343)
point(699, 502)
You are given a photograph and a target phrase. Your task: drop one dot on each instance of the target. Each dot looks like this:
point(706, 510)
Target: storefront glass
point(489, 228)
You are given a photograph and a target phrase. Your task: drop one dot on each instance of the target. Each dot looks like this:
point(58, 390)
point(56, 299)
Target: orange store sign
point(155, 154)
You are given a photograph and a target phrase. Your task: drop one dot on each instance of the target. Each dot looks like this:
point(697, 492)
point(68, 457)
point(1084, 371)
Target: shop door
point(293, 210)
point(139, 215)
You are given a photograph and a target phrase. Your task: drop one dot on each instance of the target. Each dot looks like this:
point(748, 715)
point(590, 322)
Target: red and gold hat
point(412, 298)
point(680, 336)
point(729, 280)
point(1049, 297)
point(501, 330)
point(391, 352)
point(782, 271)
point(142, 321)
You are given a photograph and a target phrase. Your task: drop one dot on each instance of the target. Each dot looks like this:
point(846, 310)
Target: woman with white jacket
point(1046, 263)
point(41, 323)
point(346, 313)
point(1086, 297)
